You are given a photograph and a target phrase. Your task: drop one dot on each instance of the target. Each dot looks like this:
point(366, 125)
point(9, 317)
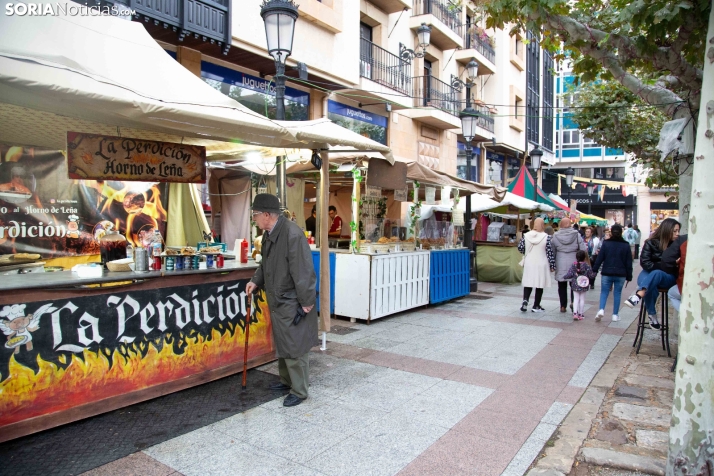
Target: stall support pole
point(354, 234)
point(280, 116)
point(318, 214)
point(324, 198)
point(473, 283)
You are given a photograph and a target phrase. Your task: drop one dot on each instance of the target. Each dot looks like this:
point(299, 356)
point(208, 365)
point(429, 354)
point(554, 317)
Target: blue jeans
point(606, 282)
point(651, 280)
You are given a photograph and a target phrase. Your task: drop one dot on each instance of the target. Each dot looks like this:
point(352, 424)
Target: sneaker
point(524, 306)
point(615, 318)
point(599, 315)
point(633, 301)
point(654, 323)
point(575, 317)
point(537, 309)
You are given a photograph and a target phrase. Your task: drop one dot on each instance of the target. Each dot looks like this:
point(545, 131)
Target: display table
point(89, 345)
point(498, 263)
point(370, 286)
point(449, 274)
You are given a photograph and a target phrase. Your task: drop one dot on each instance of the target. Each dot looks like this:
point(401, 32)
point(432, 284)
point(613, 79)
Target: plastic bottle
point(157, 244)
point(129, 251)
point(244, 251)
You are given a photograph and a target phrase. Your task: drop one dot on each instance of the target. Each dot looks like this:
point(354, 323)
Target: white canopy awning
point(509, 204)
point(105, 70)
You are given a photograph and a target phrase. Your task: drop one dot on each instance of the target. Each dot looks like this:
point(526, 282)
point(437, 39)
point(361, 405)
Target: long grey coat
point(565, 244)
point(288, 277)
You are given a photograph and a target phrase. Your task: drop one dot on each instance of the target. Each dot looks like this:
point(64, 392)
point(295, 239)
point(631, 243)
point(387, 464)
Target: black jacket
point(670, 256)
point(615, 258)
point(651, 255)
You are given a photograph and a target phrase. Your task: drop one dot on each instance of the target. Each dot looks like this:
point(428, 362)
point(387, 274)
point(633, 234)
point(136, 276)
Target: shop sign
point(97, 157)
point(88, 348)
point(42, 211)
point(400, 195)
point(373, 192)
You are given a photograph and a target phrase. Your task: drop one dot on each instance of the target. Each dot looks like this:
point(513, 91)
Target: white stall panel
point(400, 281)
point(352, 285)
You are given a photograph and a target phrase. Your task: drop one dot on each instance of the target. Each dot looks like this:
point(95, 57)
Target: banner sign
point(97, 157)
point(63, 353)
point(42, 211)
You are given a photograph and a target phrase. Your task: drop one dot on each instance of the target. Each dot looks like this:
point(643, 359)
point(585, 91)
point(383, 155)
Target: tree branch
point(664, 57)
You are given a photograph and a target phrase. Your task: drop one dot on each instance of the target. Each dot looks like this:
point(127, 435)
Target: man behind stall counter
point(336, 225)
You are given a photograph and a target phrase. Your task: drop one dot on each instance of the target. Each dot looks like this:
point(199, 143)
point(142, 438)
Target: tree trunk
point(691, 436)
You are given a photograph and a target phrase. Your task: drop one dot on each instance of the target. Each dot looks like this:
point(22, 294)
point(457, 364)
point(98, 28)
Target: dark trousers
point(538, 295)
point(563, 293)
point(637, 251)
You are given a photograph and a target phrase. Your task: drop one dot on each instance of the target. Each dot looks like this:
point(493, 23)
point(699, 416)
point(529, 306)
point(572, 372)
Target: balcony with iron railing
point(480, 46)
point(444, 18)
point(433, 92)
point(385, 68)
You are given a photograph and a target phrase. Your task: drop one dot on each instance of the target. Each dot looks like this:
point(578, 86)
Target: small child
point(580, 274)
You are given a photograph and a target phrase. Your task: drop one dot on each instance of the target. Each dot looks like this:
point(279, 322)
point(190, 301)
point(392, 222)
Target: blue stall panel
point(316, 265)
point(449, 275)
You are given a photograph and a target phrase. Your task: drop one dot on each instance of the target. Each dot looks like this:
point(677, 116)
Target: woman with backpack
point(579, 274)
point(616, 262)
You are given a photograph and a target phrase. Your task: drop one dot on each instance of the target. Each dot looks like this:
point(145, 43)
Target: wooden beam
point(324, 199)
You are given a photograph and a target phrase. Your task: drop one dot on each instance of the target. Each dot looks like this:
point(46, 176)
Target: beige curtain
point(186, 221)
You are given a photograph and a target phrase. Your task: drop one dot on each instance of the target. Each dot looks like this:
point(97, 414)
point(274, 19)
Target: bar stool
point(643, 323)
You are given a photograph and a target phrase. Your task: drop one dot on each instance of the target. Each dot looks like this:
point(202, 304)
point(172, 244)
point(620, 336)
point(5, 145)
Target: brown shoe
point(562, 309)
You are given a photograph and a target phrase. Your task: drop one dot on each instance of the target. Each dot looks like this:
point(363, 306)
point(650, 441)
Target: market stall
point(78, 346)
point(498, 230)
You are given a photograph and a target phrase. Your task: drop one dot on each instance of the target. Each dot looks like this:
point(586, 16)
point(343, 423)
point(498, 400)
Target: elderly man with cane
point(287, 274)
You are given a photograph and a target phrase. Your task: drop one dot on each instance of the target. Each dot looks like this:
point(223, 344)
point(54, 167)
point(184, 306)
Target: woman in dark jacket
point(616, 261)
point(653, 274)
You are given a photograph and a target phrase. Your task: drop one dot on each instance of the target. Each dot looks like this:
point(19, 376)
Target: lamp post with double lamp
point(569, 174)
point(279, 17)
point(536, 156)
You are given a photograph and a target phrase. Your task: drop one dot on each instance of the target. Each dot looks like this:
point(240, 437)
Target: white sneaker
point(633, 301)
point(615, 318)
point(599, 315)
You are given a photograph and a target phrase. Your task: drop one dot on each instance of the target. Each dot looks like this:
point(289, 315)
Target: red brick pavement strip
point(570, 395)
point(137, 464)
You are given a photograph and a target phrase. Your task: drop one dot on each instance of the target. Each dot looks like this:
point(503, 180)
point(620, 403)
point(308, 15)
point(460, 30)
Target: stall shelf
point(371, 286)
point(449, 274)
point(316, 264)
point(92, 345)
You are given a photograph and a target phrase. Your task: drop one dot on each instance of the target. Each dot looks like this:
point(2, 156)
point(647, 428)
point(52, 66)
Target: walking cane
point(249, 298)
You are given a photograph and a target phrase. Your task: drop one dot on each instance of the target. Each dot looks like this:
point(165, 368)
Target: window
point(548, 95)
point(519, 105)
point(461, 165)
point(587, 142)
point(533, 89)
point(571, 139)
point(610, 173)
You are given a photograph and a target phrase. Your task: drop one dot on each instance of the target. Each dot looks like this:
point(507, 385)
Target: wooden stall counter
point(76, 347)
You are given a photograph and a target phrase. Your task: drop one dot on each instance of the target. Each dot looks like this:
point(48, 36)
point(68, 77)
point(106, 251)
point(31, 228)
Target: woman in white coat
point(538, 262)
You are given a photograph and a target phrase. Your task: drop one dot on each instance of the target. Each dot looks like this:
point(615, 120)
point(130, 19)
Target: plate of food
point(180, 251)
point(211, 250)
point(16, 341)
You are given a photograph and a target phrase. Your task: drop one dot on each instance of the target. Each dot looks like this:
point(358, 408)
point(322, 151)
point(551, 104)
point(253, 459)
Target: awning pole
point(324, 246)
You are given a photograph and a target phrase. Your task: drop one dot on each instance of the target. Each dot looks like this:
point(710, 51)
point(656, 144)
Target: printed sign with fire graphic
point(98, 157)
point(42, 211)
point(68, 352)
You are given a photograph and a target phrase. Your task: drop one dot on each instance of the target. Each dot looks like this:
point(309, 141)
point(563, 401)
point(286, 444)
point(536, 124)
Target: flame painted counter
point(76, 347)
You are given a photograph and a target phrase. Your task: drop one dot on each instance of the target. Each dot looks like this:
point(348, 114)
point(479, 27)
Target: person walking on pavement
point(616, 262)
point(579, 274)
point(538, 262)
point(593, 243)
point(653, 275)
point(566, 242)
point(288, 277)
point(637, 241)
point(630, 237)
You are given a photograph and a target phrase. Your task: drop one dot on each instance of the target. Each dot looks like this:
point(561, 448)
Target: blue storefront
point(357, 120)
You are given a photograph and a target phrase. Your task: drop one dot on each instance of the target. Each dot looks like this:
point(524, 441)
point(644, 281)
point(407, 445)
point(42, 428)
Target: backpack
point(583, 281)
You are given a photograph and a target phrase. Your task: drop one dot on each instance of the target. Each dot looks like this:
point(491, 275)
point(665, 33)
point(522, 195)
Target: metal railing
point(485, 117)
point(431, 91)
point(482, 45)
point(444, 10)
point(385, 68)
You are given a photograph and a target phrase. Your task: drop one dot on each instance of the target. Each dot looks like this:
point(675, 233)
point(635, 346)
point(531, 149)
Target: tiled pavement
point(468, 387)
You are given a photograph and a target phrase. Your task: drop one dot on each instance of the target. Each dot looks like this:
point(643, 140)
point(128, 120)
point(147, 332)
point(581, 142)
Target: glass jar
point(112, 246)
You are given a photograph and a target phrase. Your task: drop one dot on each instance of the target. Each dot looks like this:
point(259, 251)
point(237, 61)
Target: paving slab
point(641, 414)
point(615, 459)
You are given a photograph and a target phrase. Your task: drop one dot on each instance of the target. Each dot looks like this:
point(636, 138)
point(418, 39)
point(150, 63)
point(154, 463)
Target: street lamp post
point(590, 188)
point(279, 17)
point(469, 121)
point(536, 156)
point(569, 174)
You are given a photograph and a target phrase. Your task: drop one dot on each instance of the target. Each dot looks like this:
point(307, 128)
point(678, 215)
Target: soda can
point(179, 263)
point(209, 261)
point(156, 263)
point(219, 261)
point(195, 261)
point(170, 263)
point(187, 262)
point(141, 260)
